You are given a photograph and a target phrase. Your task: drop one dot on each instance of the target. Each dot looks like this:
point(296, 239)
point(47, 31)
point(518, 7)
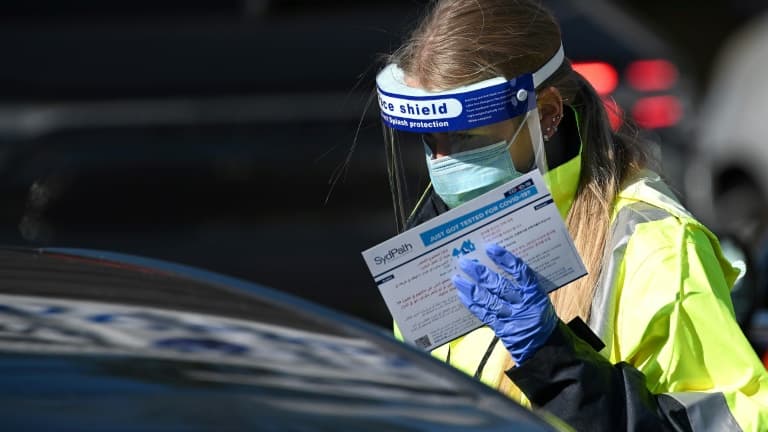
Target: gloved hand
point(517, 310)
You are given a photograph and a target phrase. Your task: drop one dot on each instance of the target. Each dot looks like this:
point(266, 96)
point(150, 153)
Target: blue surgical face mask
point(459, 177)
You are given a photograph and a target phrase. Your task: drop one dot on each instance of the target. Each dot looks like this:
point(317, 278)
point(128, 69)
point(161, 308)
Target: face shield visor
point(474, 137)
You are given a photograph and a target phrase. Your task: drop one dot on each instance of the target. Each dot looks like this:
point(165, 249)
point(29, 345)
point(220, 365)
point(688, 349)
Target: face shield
point(474, 137)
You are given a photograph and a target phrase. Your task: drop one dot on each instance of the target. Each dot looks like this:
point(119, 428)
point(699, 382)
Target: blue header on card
point(520, 192)
point(458, 111)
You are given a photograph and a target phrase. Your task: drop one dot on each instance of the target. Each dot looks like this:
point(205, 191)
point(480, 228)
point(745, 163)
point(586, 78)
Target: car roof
point(92, 340)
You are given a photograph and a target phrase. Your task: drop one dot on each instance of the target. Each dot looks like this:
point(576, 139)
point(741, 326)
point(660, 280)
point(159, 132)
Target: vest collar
point(563, 180)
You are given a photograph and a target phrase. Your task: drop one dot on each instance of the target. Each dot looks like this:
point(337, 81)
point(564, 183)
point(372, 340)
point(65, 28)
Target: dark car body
point(97, 341)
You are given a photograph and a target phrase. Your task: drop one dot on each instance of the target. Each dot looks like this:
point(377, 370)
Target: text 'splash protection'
point(413, 270)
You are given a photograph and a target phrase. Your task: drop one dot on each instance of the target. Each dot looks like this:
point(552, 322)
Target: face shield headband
point(491, 101)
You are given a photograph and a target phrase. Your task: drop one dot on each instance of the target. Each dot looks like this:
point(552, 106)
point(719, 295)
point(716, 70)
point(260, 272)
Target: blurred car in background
point(727, 183)
point(640, 77)
point(93, 341)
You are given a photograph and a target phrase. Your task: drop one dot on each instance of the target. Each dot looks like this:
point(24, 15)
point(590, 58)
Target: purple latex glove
point(517, 310)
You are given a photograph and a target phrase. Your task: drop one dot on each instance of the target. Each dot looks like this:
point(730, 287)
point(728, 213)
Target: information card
point(413, 270)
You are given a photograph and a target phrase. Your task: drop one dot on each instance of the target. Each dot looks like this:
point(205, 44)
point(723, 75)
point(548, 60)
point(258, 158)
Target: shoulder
point(648, 188)
point(660, 233)
point(647, 211)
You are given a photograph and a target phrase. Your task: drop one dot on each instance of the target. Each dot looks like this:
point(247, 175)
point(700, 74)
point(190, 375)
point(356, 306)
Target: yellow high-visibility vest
point(662, 305)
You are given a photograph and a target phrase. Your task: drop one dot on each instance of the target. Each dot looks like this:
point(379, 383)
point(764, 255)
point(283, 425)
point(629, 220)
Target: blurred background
point(233, 135)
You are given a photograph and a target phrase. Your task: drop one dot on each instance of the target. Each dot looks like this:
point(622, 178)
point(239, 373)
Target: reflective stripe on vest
point(705, 411)
point(625, 221)
point(604, 299)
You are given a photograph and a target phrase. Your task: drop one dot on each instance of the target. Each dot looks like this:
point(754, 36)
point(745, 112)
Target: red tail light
point(657, 111)
point(651, 75)
point(614, 111)
point(601, 75)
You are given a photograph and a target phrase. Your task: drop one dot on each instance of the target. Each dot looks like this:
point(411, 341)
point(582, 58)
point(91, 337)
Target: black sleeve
point(571, 380)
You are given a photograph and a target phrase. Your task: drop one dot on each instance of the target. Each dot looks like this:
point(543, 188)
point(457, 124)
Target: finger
point(503, 258)
point(473, 295)
point(511, 264)
point(499, 286)
point(476, 271)
point(487, 317)
point(464, 289)
point(484, 277)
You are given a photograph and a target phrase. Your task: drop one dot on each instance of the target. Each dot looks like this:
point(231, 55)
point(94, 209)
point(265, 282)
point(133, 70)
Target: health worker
point(485, 88)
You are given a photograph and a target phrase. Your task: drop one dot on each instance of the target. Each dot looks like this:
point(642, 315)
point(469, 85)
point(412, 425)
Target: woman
point(657, 292)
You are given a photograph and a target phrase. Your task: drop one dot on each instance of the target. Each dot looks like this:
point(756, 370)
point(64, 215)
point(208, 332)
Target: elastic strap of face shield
point(539, 77)
point(549, 68)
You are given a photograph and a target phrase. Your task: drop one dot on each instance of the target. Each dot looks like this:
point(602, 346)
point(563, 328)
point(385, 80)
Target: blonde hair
point(465, 41)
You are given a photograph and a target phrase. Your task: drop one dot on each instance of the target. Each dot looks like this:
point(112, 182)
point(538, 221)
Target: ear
point(550, 105)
